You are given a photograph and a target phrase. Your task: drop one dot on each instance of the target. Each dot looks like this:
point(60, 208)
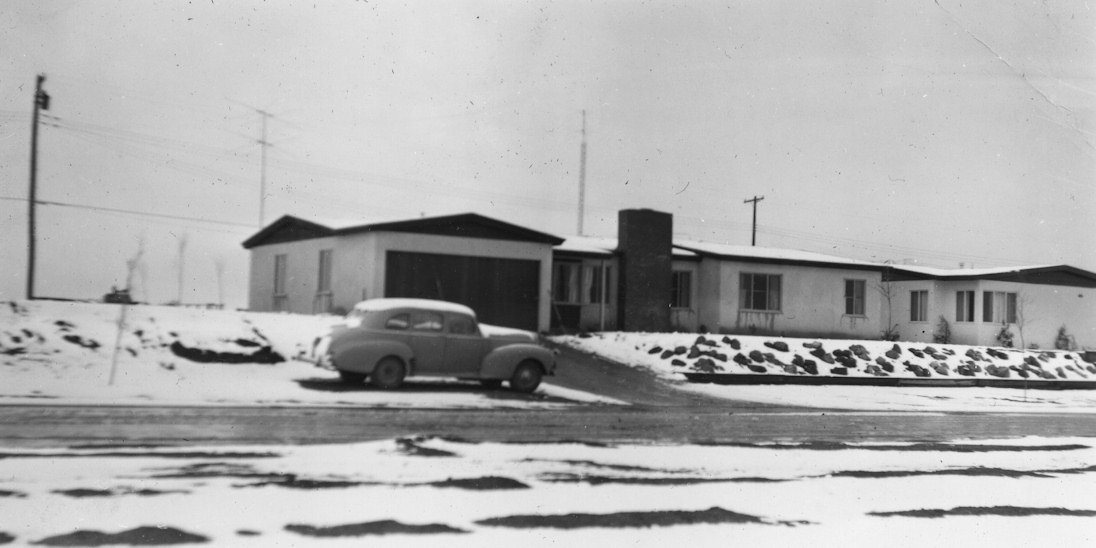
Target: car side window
point(461, 325)
point(426, 321)
point(399, 321)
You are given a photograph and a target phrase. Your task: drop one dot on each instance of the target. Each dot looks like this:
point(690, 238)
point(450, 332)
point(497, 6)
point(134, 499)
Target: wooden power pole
point(753, 235)
point(41, 102)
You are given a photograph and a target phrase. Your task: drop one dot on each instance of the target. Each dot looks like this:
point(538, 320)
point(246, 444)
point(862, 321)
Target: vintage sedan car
point(387, 340)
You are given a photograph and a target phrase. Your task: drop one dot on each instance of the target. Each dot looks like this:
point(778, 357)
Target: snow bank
point(673, 355)
point(62, 353)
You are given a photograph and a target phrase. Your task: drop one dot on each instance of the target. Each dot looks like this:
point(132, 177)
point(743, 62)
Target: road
point(659, 413)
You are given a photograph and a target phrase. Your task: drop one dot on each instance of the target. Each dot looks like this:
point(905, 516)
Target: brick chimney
point(645, 241)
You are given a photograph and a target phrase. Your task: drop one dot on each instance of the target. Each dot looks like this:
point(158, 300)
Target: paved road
point(659, 413)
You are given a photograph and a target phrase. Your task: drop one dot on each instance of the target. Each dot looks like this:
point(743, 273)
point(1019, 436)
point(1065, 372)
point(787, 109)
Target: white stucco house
point(644, 280)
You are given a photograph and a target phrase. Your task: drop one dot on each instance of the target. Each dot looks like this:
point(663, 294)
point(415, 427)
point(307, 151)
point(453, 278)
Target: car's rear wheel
point(352, 377)
point(526, 377)
point(388, 374)
point(491, 383)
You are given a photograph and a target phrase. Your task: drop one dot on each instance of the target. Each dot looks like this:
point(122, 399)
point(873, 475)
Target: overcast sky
point(938, 131)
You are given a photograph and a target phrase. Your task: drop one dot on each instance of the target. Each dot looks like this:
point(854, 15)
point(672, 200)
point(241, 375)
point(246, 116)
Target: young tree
point(131, 267)
point(887, 291)
point(1022, 316)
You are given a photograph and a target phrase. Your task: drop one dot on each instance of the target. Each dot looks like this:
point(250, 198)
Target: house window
point(595, 279)
point(854, 297)
point(281, 299)
point(998, 307)
point(964, 306)
point(919, 306)
point(321, 304)
point(567, 283)
point(759, 292)
point(681, 289)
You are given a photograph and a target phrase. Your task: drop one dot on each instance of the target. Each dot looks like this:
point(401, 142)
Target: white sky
point(939, 131)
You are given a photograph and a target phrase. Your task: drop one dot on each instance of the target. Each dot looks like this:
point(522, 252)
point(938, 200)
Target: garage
point(501, 291)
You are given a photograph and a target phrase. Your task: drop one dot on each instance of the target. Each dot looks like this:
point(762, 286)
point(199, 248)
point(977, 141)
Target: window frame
point(999, 307)
point(681, 294)
point(964, 308)
point(571, 286)
point(749, 290)
point(858, 296)
point(919, 306)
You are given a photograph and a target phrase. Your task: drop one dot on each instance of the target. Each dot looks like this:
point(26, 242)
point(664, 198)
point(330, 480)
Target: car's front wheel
point(388, 374)
point(526, 377)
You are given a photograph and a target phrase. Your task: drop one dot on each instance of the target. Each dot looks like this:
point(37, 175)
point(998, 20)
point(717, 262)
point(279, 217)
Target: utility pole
point(753, 235)
point(262, 169)
point(582, 176)
point(41, 102)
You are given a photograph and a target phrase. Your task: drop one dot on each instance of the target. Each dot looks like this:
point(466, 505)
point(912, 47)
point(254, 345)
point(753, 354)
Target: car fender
point(500, 362)
point(358, 354)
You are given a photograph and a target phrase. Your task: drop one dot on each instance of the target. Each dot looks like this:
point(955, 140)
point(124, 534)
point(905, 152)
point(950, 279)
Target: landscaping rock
point(810, 366)
point(741, 360)
point(917, 353)
point(941, 368)
point(758, 368)
point(680, 350)
point(964, 370)
point(893, 355)
point(655, 350)
point(694, 353)
point(667, 354)
point(975, 355)
point(706, 365)
point(822, 355)
point(998, 371)
point(771, 358)
point(814, 345)
point(779, 346)
point(790, 370)
point(860, 352)
point(839, 371)
point(733, 342)
point(756, 356)
point(677, 363)
point(847, 361)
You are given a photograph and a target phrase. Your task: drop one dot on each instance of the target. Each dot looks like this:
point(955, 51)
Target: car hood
point(497, 333)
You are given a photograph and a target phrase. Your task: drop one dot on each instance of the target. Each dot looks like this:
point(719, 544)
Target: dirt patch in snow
point(120, 491)
point(660, 518)
point(1007, 511)
point(977, 471)
point(486, 483)
point(940, 447)
point(139, 536)
point(142, 454)
point(12, 494)
point(635, 480)
point(263, 355)
point(383, 527)
point(411, 448)
point(6, 538)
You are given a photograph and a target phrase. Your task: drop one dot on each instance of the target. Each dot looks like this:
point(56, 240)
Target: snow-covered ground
point(62, 353)
point(435, 492)
point(671, 354)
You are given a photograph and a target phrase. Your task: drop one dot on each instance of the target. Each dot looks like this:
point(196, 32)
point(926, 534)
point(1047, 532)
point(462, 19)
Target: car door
point(464, 346)
point(427, 341)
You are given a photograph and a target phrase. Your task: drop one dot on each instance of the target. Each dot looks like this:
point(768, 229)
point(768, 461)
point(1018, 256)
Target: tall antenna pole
point(262, 169)
point(582, 176)
point(41, 102)
point(753, 236)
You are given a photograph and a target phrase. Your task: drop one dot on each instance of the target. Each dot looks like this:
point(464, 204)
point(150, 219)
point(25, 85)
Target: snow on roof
point(378, 305)
point(951, 272)
point(602, 246)
point(771, 253)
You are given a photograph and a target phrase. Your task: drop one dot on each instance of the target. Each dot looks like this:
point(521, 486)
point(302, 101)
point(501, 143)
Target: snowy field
point(437, 492)
point(670, 355)
point(62, 353)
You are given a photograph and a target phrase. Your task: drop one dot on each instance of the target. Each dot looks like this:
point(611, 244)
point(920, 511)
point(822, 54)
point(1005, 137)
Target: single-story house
point(501, 270)
point(645, 280)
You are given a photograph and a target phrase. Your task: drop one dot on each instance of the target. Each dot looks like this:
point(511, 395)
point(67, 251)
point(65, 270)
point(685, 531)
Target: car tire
point(388, 374)
point(526, 377)
point(352, 377)
point(493, 384)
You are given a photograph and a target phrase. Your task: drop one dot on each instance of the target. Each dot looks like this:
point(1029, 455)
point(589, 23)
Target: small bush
point(1004, 336)
point(1064, 341)
point(942, 335)
point(890, 333)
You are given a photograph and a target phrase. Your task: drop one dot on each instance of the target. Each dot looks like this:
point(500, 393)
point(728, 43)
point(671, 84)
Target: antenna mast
point(582, 176)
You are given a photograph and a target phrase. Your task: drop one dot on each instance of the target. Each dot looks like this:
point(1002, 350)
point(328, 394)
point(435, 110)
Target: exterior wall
point(709, 294)
point(1041, 309)
point(812, 302)
point(359, 262)
point(302, 274)
point(902, 305)
point(687, 318)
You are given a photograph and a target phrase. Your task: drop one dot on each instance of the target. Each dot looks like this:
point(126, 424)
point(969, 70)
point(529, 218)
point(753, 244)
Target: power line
point(134, 212)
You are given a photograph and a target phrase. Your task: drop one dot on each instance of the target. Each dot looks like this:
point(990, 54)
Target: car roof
point(381, 305)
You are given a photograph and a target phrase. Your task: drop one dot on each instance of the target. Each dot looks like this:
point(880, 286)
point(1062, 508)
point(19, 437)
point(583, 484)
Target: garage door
point(501, 291)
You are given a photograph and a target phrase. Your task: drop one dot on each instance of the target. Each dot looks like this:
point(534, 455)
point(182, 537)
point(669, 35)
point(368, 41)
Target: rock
point(1032, 362)
point(998, 371)
point(847, 361)
point(706, 366)
point(896, 349)
point(810, 367)
point(1061, 373)
point(655, 350)
point(790, 370)
point(939, 357)
point(757, 368)
point(677, 363)
point(756, 356)
point(930, 350)
point(797, 360)
point(680, 350)
point(741, 360)
point(860, 352)
point(839, 371)
point(717, 355)
point(694, 353)
point(779, 346)
point(917, 353)
point(941, 368)
point(769, 357)
point(822, 355)
point(815, 345)
point(734, 344)
point(893, 355)
point(975, 355)
point(667, 354)
point(841, 353)
point(964, 370)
